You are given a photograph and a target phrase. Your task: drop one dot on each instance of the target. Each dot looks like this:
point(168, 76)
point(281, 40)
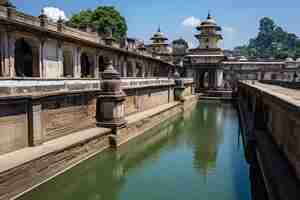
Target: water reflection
point(194, 157)
point(205, 136)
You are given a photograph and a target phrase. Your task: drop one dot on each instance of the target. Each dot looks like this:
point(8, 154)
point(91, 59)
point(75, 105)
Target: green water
point(198, 156)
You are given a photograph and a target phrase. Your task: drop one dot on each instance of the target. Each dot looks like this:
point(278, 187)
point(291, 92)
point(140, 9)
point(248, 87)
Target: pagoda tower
point(204, 62)
point(159, 45)
point(209, 35)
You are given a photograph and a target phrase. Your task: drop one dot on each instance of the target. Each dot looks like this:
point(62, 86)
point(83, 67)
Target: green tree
point(103, 19)
point(81, 19)
point(271, 42)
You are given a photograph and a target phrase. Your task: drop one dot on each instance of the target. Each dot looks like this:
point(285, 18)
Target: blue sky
point(238, 18)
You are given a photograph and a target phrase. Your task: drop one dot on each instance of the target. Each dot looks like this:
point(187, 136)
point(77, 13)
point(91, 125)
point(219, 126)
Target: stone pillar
point(36, 136)
point(143, 68)
point(60, 59)
point(42, 68)
point(219, 78)
point(77, 70)
point(6, 71)
point(9, 52)
point(60, 25)
point(134, 71)
point(110, 102)
point(211, 80)
point(124, 71)
point(96, 66)
point(179, 88)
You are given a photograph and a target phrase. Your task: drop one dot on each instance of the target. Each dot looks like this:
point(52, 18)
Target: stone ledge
point(134, 83)
point(23, 156)
point(39, 87)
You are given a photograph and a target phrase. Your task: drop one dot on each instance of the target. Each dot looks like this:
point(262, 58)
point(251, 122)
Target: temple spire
point(209, 15)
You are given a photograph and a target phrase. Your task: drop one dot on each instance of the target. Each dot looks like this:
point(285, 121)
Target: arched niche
point(26, 58)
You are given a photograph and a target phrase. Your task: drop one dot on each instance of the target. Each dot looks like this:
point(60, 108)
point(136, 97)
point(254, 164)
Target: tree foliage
point(271, 42)
point(103, 19)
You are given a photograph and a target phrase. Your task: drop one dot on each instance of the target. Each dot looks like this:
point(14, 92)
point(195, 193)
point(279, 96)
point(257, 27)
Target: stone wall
point(138, 126)
point(271, 120)
point(284, 126)
point(147, 93)
point(138, 100)
point(32, 120)
point(13, 125)
point(65, 114)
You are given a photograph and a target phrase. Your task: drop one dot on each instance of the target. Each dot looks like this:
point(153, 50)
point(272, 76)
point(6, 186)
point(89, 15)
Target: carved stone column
point(5, 57)
point(96, 69)
point(110, 103)
point(60, 25)
point(42, 68)
point(36, 136)
point(134, 71)
point(77, 73)
point(179, 88)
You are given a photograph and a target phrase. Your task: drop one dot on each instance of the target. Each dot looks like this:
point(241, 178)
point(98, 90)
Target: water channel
point(196, 156)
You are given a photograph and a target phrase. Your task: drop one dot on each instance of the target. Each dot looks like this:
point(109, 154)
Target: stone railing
point(187, 80)
point(24, 18)
point(129, 83)
point(81, 34)
point(40, 87)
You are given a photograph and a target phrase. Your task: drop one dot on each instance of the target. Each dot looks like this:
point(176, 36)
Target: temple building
point(159, 46)
point(204, 62)
point(215, 71)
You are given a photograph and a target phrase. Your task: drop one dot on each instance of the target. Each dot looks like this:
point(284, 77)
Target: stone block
point(13, 126)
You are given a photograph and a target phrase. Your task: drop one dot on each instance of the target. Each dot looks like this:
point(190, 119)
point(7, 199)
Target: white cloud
point(54, 13)
point(191, 22)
